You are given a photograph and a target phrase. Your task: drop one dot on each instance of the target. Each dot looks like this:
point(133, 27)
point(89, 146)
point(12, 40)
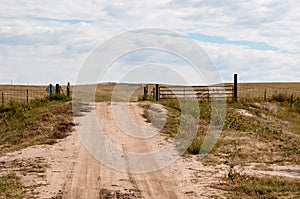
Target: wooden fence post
point(145, 91)
point(68, 89)
point(2, 98)
point(291, 101)
point(265, 95)
point(156, 92)
point(57, 88)
point(51, 87)
point(27, 96)
point(235, 95)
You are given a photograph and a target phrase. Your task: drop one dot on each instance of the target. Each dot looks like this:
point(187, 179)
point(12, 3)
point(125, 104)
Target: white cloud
point(39, 37)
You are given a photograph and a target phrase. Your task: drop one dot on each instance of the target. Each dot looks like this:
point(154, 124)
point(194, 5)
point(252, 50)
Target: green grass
point(38, 122)
point(11, 187)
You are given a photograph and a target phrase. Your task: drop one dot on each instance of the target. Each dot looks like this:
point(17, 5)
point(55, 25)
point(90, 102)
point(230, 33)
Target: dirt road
point(91, 179)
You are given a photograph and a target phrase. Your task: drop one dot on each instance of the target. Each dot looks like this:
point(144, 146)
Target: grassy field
point(246, 91)
point(267, 90)
point(109, 92)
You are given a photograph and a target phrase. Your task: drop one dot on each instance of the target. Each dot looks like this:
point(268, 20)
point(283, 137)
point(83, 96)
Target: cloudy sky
point(48, 41)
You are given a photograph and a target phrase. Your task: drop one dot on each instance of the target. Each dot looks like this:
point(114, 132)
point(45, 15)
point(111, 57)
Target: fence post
point(27, 96)
point(2, 96)
point(235, 95)
point(51, 91)
point(292, 101)
point(68, 89)
point(156, 92)
point(145, 91)
point(265, 95)
point(57, 88)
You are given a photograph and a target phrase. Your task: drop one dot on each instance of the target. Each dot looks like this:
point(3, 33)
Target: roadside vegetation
point(41, 121)
point(259, 132)
point(11, 187)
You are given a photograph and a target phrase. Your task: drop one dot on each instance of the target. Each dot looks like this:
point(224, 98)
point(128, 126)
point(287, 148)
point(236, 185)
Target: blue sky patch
point(222, 40)
point(69, 21)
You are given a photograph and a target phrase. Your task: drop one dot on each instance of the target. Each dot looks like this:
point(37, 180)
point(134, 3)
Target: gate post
point(235, 95)
point(57, 89)
point(157, 92)
point(68, 89)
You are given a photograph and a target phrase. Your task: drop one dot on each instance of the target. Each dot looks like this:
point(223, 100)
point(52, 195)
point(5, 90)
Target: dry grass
point(268, 137)
point(245, 186)
point(109, 92)
point(257, 91)
point(38, 122)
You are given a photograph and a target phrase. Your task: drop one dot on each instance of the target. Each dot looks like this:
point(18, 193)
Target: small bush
point(59, 97)
point(281, 97)
point(297, 105)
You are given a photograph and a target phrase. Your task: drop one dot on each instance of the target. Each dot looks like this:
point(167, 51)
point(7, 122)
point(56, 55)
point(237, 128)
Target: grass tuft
point(11, 187)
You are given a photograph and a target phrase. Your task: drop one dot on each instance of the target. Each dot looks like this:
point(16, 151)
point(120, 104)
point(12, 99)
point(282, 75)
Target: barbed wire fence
point(25, 94)
point(20, 95)
point(267, 92)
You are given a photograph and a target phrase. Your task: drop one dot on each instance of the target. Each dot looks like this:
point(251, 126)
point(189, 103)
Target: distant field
point(134, 92)
point(22, 87)
point(109, 92)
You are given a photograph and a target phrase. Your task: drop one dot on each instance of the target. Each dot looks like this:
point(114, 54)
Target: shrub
point(281, 97)
point(297, 105)
point(59, 97)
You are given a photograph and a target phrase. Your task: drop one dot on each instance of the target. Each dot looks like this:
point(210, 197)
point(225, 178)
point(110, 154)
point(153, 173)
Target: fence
point(231, 91)
point(24, 94)
point(267, 91)
point(21, 96)
point(202, 93)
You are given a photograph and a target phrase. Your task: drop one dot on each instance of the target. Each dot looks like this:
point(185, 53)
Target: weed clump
point(280, 97)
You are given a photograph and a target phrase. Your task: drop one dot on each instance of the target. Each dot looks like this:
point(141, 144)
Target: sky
point(44, 42)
